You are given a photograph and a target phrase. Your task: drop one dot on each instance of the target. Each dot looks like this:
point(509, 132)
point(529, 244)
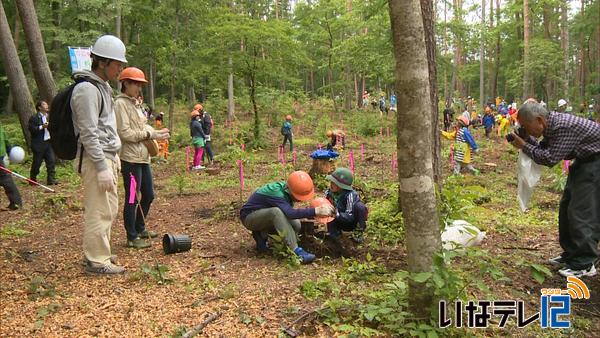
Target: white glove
point(325, 210)
point(106, 180)
point(162, 134)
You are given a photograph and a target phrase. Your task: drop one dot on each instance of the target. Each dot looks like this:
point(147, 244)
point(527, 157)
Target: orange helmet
point(288, 117)
point(319, 202)
point(133, 74)
point(301, 186)
point(329, 133)
point(198, 107)
point(194, 113)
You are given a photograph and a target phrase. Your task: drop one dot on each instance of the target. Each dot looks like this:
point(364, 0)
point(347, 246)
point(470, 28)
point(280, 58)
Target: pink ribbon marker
point(294, 157)
point(243, 147)
point(362, 152)
point(381, 131)
point(351, 160)
point(132, 188)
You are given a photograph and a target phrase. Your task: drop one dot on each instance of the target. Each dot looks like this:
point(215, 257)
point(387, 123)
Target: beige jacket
point(132, 129)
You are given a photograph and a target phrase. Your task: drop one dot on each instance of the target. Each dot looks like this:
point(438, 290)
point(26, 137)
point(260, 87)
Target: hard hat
point(321, 202)
point(17, 154)
point(194, 113)
point(329, 133)
point(562, 102)
point(110, 47)
point(342, 177)
point(134, 74)
point(162, 113)
point(288, 117)
point(301, 186)
point(464, 120)
point(591, 106)
point(198, 106)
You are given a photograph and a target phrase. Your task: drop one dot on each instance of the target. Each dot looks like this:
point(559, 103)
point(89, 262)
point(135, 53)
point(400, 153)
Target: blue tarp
point(324, 154)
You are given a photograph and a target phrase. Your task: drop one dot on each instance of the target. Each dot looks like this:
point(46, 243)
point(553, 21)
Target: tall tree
point(527, 76)
point(482, 57)
point(37, 52)
point(15, 74)
point(230, 98)
point(10, 102)
point(414, 146)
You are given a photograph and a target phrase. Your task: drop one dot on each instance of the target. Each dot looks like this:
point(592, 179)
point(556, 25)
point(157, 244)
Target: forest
point(392, 89)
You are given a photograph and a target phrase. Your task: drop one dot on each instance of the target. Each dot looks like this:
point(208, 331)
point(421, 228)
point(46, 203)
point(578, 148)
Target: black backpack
point(60, 125)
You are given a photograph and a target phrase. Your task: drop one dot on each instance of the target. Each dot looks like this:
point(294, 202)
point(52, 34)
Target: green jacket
point(4, 143)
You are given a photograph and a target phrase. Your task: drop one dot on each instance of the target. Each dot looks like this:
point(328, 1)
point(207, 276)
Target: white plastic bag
point(461, 234)
point(528, 174)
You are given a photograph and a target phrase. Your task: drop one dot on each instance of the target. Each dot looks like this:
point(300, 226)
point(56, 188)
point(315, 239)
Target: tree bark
point(173, 71)
point(497, 53)
point(230, 99)
point(37, 52)
point(414, 145)
point(56, 19)
point(151, 84)
point(482, 58)
point(582, 57)
point(429, 31)
point(564, 44)
point(16, 76)
point(10, 102)
point(457, 82)
point(527, 79)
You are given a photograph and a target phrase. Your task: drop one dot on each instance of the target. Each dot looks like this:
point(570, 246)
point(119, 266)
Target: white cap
point(562, 102)
point(110, 47)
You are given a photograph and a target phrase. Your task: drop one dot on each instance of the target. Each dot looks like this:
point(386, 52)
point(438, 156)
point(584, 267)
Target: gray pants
point(266, 221)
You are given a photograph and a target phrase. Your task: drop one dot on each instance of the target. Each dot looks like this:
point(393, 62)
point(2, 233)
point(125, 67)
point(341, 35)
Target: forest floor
point(44, 290)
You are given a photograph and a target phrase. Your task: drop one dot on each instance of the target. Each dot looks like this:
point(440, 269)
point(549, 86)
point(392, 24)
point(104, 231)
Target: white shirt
point(46, 132)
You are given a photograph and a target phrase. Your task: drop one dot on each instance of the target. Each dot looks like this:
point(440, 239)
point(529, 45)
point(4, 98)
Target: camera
point(519, 131)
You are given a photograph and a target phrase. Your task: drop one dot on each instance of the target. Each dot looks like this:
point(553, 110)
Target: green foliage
point(538, 272)
point(39, 288)
point(43, 312)
point(456, 199)
point(385, 224)
point(181, 182)
point(355, 270)
point(156, 272)
point(317, 289)
point(13, 230)
point(282, 251)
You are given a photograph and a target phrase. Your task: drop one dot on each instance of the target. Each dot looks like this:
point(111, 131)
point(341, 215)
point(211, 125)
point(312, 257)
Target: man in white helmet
point(97, 161)
point(562, 106)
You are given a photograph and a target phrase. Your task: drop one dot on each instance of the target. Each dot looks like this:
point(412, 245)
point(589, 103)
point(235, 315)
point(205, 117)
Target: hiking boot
point(113, 260)
point(148, 234)
point(14, 206)
point(138, 243)
point(305, 257)
point(261, 243)
point(589, 272)
point(558, 261)
point(108, 269)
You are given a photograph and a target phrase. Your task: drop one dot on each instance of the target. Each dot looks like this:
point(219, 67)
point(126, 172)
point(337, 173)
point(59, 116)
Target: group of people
point(380, 103)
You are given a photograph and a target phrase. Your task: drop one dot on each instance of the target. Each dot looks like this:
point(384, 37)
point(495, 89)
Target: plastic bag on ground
point(461, 234)
point(528, 174)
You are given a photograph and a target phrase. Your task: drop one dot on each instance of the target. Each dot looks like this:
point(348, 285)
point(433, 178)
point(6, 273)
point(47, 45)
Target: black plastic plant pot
point(176, 243)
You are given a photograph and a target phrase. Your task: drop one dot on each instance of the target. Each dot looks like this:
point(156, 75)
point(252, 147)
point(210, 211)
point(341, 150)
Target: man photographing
point(568, 137)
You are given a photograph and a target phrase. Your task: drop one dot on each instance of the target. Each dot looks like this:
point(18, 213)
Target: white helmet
point(110, 47)
point(17, 154)
point(562, 102)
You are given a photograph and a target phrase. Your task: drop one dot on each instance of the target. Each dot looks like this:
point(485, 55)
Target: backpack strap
point(78, 81)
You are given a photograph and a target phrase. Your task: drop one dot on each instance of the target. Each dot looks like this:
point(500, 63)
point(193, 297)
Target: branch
point(198, 328)
point(291, 332)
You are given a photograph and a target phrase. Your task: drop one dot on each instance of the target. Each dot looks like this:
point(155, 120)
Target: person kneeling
point(271, 208)
point(351, 213)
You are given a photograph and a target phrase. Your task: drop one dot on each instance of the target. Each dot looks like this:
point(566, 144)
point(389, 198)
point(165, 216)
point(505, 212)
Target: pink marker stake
point(294, 157)
point(381, 131)
point(351, 160)
point(241, 164)
point(243, 147)
point(278, 153)
point(282, 155)
point(187, 158)
point(362, 152)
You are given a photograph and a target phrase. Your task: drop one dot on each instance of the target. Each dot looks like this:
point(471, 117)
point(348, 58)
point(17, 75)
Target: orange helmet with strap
point(198, 107)
point(301, 186)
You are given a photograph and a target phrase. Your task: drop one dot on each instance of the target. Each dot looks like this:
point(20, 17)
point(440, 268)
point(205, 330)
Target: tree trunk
point(482, 58)
point(457, 83)
point(118, 20)
point(414, 147)
point(54, 63)
point(582, 57)
point(230, 100)
point(357, 94)
point(527, 79)
point(497, 53)
point(348, 89)
point(151, 84)
point(429, 31)
point(173, 70)
point(10, 102)
point(37, 52)
point(16, 76)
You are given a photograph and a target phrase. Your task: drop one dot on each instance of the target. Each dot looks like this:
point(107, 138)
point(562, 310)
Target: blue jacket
point(344, 202)
point(488, 120)
point(276, 195)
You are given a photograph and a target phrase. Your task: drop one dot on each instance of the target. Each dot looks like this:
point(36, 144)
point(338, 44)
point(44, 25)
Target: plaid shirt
point(566, 137)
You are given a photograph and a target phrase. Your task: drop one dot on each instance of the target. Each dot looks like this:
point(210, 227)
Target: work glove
point(162, 134)
point(106, 180)
point(325, 210)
